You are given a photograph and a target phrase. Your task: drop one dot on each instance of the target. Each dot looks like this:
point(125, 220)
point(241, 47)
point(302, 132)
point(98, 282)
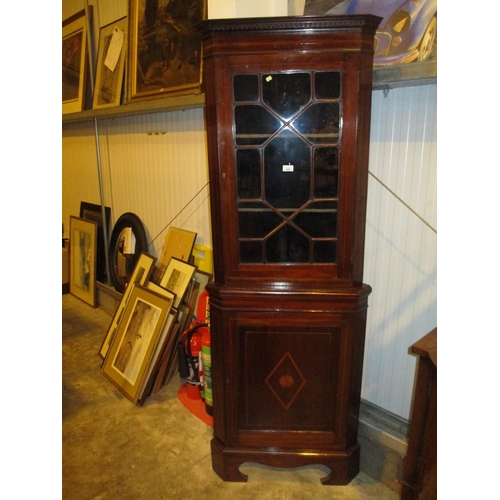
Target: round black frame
point(131, 220)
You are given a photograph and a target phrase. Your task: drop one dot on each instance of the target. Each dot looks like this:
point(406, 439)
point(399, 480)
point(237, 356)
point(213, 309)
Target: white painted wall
point(296, 7)
point(261, 8)
point(401, 241)
point(218, 9)
point(221, 9)
point(156, 167)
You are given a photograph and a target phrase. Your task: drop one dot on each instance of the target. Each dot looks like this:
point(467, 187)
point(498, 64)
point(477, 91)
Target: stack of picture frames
point(139, 351)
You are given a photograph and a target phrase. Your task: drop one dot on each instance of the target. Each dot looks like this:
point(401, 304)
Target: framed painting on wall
point(406, 39)
point(75, 61)
point(164, 57)
point(110, 64)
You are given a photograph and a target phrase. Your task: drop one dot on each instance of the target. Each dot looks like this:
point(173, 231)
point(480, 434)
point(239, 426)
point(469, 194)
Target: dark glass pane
point(318, 220)
point(325, 252)
point(251, 252)
point(254, 124)
point(327, 85)
point(286, 93)
point(326, 173)
point(287, 245)
point(256, 222)
point(320, 122)
point(246, 87)
point(248, 173)
point(287, 171)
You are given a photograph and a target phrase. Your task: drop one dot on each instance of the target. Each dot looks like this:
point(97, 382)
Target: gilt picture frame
point(164, 51)
point(75, 61)
point(163, 342)
point(83, 249)
point(132, 349)
point(179, 243)
point(110, 70)
point(140, 275)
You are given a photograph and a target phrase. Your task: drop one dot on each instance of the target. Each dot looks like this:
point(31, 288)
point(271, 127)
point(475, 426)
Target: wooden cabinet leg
point(227, 467)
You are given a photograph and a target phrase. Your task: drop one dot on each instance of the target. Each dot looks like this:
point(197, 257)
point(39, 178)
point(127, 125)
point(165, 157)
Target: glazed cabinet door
point(285, 171)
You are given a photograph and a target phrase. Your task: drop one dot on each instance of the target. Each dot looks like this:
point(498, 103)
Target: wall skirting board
point(383, 440)
point(381, 435)
point(108, 298)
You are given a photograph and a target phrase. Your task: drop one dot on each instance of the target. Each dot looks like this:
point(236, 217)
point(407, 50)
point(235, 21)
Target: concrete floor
point(114, 450)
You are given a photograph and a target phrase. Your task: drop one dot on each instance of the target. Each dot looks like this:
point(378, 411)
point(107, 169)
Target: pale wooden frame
point(179, 243)
point(84, 291)
point(177, 278)
point(102, 70)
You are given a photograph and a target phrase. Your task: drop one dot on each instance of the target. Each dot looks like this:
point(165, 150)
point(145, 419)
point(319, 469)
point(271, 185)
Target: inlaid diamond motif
point(286, 381)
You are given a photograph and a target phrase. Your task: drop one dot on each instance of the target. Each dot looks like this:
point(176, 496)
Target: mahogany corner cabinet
point(287, 110)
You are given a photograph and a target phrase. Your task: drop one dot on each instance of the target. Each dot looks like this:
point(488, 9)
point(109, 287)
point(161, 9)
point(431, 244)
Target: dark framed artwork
point(90, 211)
point(75, 61)
point(82, 251)
point(164, 56)
point(110, 64)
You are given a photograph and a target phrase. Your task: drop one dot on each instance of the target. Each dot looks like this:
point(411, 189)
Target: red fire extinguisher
point(206, 350)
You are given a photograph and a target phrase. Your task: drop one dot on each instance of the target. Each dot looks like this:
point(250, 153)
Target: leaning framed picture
point(140, 275)
point(75, 61)
point(164, 51)
point(82, 248)
point(177, 278)
point(132, 349)
point(110, 64)
point(179, 243)
point(163, 344)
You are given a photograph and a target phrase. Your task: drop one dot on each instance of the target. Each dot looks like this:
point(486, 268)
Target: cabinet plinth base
point(344, 466)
